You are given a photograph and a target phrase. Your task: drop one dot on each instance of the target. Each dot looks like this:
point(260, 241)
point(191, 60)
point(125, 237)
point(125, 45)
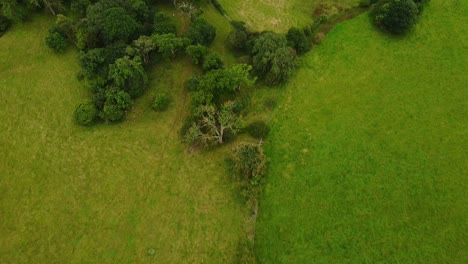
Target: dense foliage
point(273, 60)
point(395, 16)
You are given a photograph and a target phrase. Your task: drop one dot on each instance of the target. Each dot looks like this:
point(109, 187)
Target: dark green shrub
point(421, 4)
point(4, 24)
point(201, 32)
point(395, 16)
point(56, 39)
point(258, 129)
point(237, 39)
point(196, 52)
point(298, 40)
point(118, 25)
point(163, 24)
point(212, 62)
point(160, 102)
point(116, 105)
point(86, 113)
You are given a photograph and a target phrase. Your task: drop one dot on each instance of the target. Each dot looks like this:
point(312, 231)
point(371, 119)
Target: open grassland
point(124, 193)
point(279, 15)
point(368, 153)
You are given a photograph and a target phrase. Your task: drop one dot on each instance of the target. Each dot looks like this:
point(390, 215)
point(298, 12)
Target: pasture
point(368, 148)
point(126, 192)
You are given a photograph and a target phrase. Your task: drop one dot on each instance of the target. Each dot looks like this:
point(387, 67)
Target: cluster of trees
point(397, 16)
point(118, 40)
point(273, 55)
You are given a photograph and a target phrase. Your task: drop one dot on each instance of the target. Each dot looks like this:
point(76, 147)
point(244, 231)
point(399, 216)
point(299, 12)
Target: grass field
point(368, 152)
point(124, 193)
point(279, 15)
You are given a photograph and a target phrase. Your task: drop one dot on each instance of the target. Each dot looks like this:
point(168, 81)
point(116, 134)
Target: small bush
point(249, 162)
point(212, 62)
point(395, 16)
point(160, 103)
point(258, 129)
point(196, 53)
point(116, 104)
point(56, 39)
point(86, 113)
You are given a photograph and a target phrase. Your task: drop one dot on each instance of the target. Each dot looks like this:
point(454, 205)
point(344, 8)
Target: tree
point(212, 124)
point(56, 39)
point(212, 62)
point(209, 88)
point(118, 25)
point(92, 61)
point(298, 40)
point(201, 32)
point(86, 113)
point(169, 44)
point(143, 46)
point(395, 16)
point(196, 52)
point(129, 75)
point(163, 24)
point(116, 105)
point(273, 60)
point(5, 23)
point(250, 162)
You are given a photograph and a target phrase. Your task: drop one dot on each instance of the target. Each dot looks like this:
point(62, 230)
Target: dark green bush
point(160, 102)
point(395, 16)
point(163, 24)
point(196, 52)
point(56, 39)
point(4, 24)
point(258, 129)
point(201, 32)
point(116, 105)
point(298, 40)
point(86, 113)
point(212, 62)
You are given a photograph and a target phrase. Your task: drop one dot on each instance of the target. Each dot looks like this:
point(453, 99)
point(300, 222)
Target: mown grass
point(278, 15)
point(368, 148)
point(123, 193)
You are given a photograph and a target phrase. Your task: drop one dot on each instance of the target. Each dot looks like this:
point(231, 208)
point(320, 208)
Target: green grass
point(108, 193)
point(368, 148)
point(279, 15)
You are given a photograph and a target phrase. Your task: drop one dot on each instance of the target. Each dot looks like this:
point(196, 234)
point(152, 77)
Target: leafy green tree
point(92, 61)
point(273, 60)
point(86, 113)
point(4, 24)
point(56, 39)
point(129, 75)
point(209, 88)
point(201, 32)
point(196, 52)
point(395, 16)
point(298, 40)
point(118, 25)
point(169, 44)
point(116, 104)
point(212, 62)
point(163, 24)
point(142, 47)
point(212, 124)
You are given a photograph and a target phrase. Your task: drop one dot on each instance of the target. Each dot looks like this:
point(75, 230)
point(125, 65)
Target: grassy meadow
point(279, 15)
point(368, 150)
point(123, 193)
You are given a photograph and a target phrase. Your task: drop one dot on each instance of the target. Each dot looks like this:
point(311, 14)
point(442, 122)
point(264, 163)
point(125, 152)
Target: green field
point(368, 153)
point(280, 15)
point(123, 193)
